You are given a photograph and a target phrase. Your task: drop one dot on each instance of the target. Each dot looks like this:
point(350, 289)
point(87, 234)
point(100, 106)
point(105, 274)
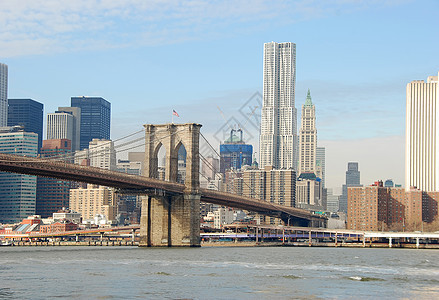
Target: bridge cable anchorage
point(252, 190)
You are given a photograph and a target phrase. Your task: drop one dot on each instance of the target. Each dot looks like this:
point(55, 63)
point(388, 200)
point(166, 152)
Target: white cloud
point(54, 26)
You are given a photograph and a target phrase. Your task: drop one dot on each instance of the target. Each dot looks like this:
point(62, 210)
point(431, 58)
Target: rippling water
point(217, 273)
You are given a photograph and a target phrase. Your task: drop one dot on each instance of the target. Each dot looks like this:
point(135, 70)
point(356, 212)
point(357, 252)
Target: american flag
point(175, 113)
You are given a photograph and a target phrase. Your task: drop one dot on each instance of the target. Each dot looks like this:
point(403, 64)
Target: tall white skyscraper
point(59, 126)
point(3, 95)
point(422, 135)
point(308, 138)
point(278, 139)
point(76, 134)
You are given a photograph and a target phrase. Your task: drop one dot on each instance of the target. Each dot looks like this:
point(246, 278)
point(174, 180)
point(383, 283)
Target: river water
point(217, 273)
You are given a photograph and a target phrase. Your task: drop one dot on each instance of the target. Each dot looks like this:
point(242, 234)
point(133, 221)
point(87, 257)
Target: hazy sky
point(200, 57)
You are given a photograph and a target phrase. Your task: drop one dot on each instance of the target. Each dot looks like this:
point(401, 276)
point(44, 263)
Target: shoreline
point(227, 244)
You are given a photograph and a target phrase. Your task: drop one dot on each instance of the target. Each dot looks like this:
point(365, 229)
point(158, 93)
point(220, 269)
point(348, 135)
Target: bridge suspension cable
point(216, 152)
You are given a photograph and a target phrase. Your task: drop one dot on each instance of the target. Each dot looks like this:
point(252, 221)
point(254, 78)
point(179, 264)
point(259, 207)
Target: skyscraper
point(95, 118)
point(3, 95)
point(422, 141)
point(234, 153)
point(278, 139)
point(59, 126)
point(27, 113)
point(17, 191)
point(75, 112)
point(321, 164)
point(308, 138)
point(352, 180)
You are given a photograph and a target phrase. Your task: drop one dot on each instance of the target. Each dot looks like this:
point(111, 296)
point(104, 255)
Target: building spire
point(308, 101)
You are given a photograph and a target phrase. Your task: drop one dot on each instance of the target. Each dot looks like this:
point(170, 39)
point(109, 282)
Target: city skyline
point(357, 70)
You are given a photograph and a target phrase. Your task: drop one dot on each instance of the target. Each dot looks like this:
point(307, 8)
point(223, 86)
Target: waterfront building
point(67, 214)
point(29, 114)
point(53, 194)
point(422, 142)
point(65, 124)
point(17, 191)
point(223, 216)
point(235, 153)
point(308, 138)
point(3, 95)
point(278, 138)
point(352, 179)
point(95, 119)
point(377, 207)
point(94, 200)
point(60, 226)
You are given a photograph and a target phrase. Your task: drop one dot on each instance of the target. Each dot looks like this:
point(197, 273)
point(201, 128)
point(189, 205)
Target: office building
point(17, 191)
point(59, 126)
point(321, 164)
point(352, 179)
point(29, 114)
point(65, 123)
point(278, 138)
point(308, 138)
point(53, 194)
point(3, 95)
point(95, 118)
point(235, 153)
point(332, 201)
point(422, 135)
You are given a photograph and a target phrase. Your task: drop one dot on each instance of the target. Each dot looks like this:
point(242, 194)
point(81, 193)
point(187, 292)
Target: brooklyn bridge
point(170, 210)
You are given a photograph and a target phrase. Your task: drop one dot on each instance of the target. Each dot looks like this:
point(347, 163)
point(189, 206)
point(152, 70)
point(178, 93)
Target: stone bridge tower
point(172, 219)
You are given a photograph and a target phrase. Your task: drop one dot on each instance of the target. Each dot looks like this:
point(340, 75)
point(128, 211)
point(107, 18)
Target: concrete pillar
point(364, 241)
point(390, 242)
point(417, 243)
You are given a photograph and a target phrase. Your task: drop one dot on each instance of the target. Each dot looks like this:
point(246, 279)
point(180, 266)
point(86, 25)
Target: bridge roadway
point(129, 183)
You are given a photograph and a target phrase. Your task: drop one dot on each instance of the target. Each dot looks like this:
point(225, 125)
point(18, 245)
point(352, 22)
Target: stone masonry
point(172, 219)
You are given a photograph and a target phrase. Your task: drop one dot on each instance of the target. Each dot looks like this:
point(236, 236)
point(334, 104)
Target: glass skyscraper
point(27, 113)
point(278, 139)
point(17, 191)
point(95, 119)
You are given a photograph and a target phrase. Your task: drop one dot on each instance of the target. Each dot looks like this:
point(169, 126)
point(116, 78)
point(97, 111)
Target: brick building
point(390, 208)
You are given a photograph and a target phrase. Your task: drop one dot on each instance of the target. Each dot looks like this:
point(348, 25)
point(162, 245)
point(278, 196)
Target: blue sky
point(149, 57)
